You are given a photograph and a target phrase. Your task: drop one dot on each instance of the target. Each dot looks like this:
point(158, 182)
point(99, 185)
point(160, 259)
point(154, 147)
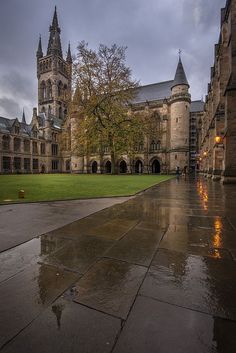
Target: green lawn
point(67, 186)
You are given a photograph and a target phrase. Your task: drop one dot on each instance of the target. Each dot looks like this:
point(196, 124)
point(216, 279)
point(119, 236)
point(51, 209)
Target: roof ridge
point(157, 83)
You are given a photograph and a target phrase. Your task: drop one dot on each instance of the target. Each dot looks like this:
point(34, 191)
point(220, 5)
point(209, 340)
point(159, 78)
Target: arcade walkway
point(155, 274)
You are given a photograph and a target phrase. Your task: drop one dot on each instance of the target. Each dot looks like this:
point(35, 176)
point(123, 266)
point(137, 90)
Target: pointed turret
point(179, 120)
point(69, 57)
point(180, 77)
point(39, 53)
point(54, 43)
point(23, 117)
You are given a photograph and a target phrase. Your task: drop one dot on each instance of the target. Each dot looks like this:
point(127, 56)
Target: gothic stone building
point(46, 144)
point(217, 129)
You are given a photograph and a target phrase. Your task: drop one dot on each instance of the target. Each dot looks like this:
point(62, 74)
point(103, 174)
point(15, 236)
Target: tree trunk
point(113, 163)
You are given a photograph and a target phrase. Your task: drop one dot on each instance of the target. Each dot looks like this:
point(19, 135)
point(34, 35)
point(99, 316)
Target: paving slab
point(156, 327)
point(27, 294)
point(194, 241)
point(67, 327)
point(199, 283)
point(110, 286)
point(138, 246)
point(78, 255)
point(113, 229)
point(17, 259)
point(33, 219)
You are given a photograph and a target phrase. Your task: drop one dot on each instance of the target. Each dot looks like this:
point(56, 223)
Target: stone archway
point(123, 167)
point(156, 167)
point(68, 165)
point(108, 167)
point(94, 167)
point(138, 167)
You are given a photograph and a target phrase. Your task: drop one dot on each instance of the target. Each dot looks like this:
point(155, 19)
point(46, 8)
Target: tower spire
point(69, 57)
point(55, 19)
point(39, 53)
point(23, 117)
point(180, 76)
point(54, 43)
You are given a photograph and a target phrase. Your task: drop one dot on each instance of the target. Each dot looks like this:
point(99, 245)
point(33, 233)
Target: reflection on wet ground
point(154, 274)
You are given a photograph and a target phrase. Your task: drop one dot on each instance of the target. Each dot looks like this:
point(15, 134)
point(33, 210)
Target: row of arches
point(46, 89)
point(123, 168)
point(61, 112)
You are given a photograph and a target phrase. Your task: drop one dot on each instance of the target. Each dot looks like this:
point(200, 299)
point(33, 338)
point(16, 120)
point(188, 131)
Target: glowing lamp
point(205, 154)
point(217, 139)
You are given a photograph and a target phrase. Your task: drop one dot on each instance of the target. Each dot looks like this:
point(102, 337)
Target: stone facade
point(217, 130)
point(48, 143)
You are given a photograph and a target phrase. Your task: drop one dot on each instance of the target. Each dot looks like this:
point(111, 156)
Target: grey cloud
point(9, 107)
point(153, 30)
point(18, 85)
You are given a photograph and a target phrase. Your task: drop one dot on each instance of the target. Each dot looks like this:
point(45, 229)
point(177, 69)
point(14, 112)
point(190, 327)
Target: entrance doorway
point(94, 167)
point(138, 168)
point(156, 167)
point(108, 167)
point(123, 167)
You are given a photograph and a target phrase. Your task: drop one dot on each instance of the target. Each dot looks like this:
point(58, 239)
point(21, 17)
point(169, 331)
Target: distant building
point(47, 144)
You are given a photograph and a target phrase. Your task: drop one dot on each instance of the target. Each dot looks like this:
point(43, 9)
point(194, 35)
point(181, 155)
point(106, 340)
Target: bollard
point(21, 194)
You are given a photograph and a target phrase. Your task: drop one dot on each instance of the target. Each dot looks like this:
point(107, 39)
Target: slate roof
point(155, 91)
point(6, 124)
point(197, 106)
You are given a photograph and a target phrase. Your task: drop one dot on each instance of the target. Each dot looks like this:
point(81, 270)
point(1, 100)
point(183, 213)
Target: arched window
point(43, 92)
point(49, 89)
point(26, 145)
point(17, 143)
point(60, 89)
point(6, 143)
point(155, 145)
point(140, 147)
point(152, 146)
point(60, 112)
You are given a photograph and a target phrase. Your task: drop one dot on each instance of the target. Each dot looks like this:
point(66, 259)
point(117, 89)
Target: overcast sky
point(153, 31)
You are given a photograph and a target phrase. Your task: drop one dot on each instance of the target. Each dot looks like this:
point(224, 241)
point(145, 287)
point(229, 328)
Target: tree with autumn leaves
point(104, 90)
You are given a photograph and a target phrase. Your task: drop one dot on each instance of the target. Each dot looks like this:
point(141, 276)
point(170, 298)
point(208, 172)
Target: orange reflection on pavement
point(203, 195)
point(217, 241)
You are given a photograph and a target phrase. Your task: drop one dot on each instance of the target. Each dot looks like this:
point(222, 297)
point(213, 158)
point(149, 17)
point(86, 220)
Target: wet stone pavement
point(155, 274)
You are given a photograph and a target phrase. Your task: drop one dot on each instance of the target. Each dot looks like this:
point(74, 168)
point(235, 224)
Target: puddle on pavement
point(15, 260)
point(110, 286)
point(26, 294)
point(68, 327)
point(78, 255)
point(200, 283)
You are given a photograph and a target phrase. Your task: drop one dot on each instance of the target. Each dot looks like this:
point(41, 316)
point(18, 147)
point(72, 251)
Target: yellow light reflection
point(202, 191)
point(217, 240)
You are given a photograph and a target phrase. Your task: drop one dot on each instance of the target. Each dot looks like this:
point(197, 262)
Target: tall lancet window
point(49, 89)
